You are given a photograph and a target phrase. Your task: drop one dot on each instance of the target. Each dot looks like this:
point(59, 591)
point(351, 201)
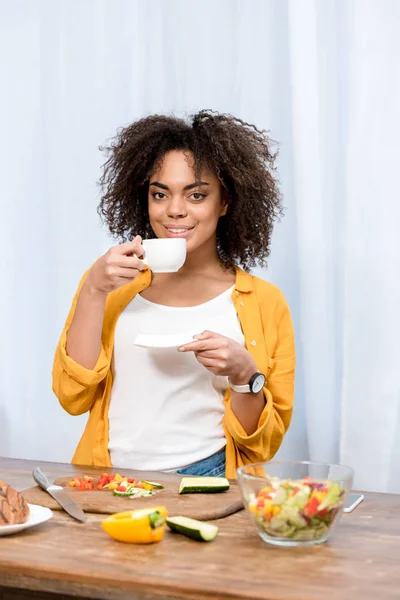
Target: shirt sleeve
point(275, 418)
point(74, 385)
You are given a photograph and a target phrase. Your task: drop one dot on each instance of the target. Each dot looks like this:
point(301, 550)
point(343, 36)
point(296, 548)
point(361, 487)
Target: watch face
point(257, 383)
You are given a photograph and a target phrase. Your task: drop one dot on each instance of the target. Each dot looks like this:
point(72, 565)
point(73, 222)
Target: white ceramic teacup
point(164, 255)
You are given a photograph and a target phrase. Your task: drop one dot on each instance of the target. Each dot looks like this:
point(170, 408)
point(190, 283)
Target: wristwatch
point(255, 385)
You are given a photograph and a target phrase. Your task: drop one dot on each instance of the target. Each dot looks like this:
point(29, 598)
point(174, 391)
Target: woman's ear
point(225, 202)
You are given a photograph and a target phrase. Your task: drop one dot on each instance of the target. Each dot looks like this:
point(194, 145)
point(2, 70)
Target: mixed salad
point(300, 510)
point(118, 484)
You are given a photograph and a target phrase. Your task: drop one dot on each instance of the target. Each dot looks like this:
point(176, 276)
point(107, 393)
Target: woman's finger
point(212, 354)
point(201, 345)
point(207, 334)
point(130, 247)
point(129, 262)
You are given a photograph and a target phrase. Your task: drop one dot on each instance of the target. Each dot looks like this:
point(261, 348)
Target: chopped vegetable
point(150, 485)
point(299, 510)
point(144, 526)
point(118, 484)
point(132, 492)
point(86, 483)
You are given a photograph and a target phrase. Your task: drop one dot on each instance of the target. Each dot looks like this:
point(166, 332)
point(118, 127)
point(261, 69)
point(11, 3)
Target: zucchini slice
point(132, 492)
point(153, 484)
point(203, 485)
point(126, 493)
point(196, 530)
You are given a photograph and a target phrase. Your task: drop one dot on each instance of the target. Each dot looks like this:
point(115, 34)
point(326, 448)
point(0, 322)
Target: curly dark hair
point(238, 153)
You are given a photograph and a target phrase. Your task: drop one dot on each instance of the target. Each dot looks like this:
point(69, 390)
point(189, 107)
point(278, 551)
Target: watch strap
point(250, 387)
point(242, 389)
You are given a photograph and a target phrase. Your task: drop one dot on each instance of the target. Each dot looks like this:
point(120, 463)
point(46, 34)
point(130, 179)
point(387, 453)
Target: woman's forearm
point(248, 409)
point(84, 334)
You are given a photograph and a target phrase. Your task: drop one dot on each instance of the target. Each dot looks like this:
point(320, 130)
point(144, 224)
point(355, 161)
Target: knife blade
point(59, 495)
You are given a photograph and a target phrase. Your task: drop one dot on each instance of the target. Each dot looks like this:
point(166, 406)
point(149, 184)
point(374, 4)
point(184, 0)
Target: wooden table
point(62, 558)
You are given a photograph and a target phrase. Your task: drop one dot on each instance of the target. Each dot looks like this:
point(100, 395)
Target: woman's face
point(180, 206)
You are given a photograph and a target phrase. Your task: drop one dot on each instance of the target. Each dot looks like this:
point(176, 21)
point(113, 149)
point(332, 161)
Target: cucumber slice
point(280, 497)
point(116, 493)
point(156, 486)
point(196, 530)
point(133, 493)
point(140, 493)
point(203, 485)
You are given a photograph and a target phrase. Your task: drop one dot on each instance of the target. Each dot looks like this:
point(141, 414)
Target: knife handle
point(41, 479)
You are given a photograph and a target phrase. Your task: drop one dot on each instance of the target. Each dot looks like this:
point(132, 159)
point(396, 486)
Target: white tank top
point(166, 409)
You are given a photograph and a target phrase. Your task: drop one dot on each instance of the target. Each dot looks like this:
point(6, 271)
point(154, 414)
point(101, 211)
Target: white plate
point(37, 515)
point(174, 340)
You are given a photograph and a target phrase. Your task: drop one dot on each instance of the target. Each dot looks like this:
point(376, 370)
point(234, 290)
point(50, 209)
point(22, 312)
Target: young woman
point(226, 398)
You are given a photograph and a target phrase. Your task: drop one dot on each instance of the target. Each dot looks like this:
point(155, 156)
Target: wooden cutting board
point(205, 507)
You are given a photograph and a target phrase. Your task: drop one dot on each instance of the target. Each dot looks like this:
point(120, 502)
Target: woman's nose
point(176, 208)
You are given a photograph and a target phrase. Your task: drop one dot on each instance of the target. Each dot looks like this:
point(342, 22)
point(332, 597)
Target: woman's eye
point(197, 196)
point(159, 196)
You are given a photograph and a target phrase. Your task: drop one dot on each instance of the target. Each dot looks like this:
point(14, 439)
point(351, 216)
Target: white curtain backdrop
point(323, 77)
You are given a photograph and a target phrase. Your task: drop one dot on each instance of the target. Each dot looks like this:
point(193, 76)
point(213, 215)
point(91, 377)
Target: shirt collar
point(244, 281)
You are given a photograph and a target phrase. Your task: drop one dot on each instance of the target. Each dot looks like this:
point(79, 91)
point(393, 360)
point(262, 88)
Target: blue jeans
point(212, 466)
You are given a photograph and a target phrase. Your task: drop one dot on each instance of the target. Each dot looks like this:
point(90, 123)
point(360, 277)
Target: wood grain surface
point(198, 506)
point(72, 559)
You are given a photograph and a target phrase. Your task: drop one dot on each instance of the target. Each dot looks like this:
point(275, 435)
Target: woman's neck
point(203, 260)
point(198, 281)
point(201, 267)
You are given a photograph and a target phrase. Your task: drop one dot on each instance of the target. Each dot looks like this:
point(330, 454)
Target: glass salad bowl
point(294, 503)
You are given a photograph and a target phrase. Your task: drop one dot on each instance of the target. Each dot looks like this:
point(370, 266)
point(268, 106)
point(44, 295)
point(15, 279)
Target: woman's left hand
point(222, 356)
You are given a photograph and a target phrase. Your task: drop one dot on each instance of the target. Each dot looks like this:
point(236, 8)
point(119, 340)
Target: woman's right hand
point(117, 267)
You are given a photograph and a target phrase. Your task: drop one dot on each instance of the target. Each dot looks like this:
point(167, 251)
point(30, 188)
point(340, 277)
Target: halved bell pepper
point(142, 526)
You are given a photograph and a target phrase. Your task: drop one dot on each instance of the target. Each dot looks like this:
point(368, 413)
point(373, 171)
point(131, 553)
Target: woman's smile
point(180, 231)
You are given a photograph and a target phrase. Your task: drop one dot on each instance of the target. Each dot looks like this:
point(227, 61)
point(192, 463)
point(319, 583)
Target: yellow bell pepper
point(142, 526)
point(320, 496)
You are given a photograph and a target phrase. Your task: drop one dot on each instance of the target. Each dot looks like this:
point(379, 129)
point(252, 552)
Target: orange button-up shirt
point(268, 332)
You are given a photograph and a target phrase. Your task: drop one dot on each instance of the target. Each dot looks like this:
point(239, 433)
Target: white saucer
point(174, 340)
point(37, 515)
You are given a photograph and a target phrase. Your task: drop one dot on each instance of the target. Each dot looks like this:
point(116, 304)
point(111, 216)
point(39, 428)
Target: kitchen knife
point(59, 495)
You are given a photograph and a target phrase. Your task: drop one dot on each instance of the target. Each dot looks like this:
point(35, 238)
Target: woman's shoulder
point(265, 290)
point(266, 287)
point(272, 302)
